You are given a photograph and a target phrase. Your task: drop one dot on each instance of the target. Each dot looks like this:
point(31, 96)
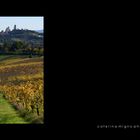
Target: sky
point(30, 23)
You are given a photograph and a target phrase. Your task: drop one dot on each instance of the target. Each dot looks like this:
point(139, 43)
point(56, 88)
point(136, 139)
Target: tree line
point(20, 47)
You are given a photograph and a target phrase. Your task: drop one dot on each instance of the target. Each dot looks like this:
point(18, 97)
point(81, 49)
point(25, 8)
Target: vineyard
point(21, 84)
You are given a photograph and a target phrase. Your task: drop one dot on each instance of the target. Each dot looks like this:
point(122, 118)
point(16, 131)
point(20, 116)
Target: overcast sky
point(31, 23)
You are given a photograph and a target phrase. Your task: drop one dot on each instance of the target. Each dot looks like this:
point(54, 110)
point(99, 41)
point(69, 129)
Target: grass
point(2, 57)
point(8, 115)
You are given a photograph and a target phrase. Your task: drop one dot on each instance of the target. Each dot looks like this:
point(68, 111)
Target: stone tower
point(14, 27)
point(7, 30)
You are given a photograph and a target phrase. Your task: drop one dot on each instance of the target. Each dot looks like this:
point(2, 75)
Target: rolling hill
point(28, 36)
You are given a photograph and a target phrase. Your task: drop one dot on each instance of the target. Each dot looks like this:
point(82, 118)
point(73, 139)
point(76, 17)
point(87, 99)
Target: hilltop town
point(23, 35)
point(7, 30)
point(20, 41)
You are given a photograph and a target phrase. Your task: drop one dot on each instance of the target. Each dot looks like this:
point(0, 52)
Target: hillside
point(21, 89)
point(40, 31)
point(27, 36)
point(19, 41)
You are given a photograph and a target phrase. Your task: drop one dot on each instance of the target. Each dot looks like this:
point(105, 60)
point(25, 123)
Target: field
point(21, 85)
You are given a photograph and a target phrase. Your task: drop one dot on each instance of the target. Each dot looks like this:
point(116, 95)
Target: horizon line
point(19, 29)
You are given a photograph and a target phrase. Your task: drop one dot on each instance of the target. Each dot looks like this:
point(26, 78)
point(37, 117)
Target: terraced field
point(21, 85)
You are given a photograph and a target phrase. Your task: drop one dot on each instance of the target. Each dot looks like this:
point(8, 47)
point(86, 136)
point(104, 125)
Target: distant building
point(7, 30)
point(2, 32)
point(14, 27)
